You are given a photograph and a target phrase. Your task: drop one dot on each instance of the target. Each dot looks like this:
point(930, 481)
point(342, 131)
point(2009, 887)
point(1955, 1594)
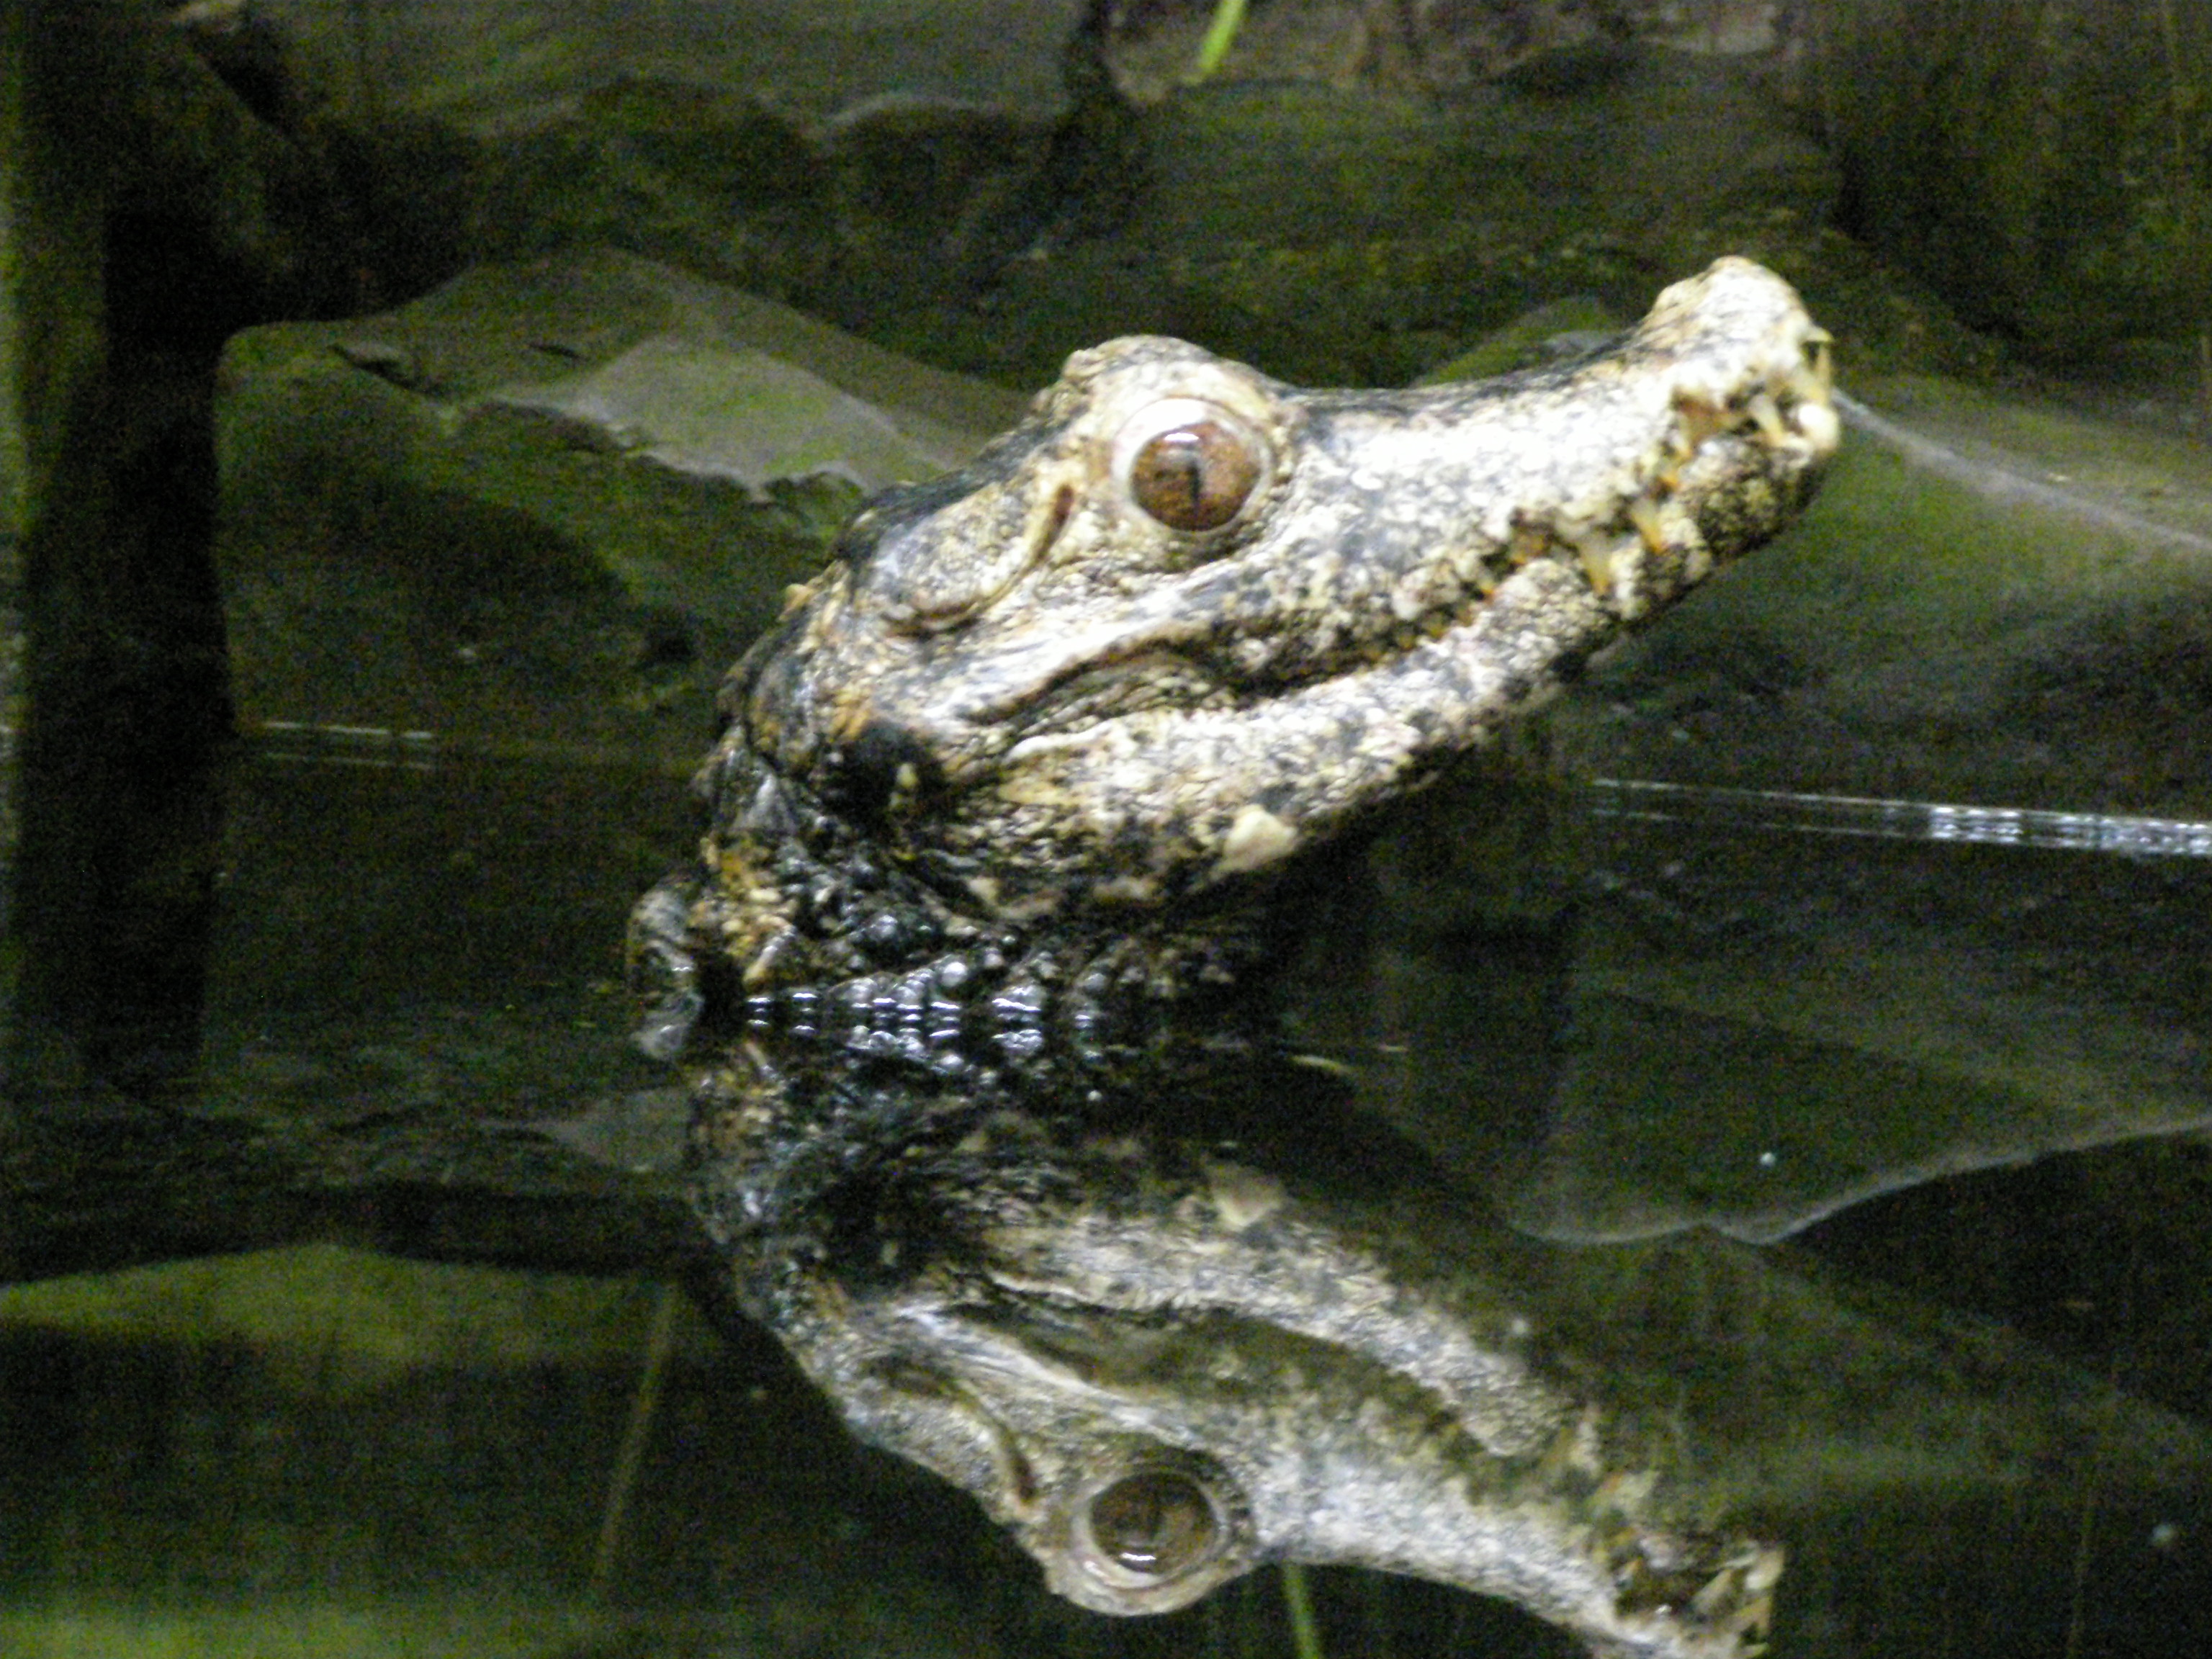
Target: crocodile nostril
point(880, 769)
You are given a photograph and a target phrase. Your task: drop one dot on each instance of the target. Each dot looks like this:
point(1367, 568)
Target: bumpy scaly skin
point(1023, 725)
point(1057, 1319)
point(1024, 776)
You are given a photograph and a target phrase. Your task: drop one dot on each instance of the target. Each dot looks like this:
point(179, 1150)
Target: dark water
point(332, 991)
point(401, 931)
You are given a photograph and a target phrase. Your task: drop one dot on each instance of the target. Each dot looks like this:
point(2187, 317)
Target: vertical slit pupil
point(1194, 477)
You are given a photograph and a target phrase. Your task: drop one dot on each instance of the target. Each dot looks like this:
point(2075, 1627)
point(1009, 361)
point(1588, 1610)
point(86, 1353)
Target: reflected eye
point(1157, 1524)
point(1153, 1530)
point(1189, 464)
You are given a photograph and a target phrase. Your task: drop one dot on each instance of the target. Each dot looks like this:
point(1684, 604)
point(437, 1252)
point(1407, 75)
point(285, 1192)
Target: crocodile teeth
point(1767, 416)
point(1700, 420)
point(1740, 1597)
point(1643, 514)
point(1597, 562)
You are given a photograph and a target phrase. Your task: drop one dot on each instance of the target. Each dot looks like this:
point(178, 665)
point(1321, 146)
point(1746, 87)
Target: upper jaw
point(1403, 573)
point(1392, 517)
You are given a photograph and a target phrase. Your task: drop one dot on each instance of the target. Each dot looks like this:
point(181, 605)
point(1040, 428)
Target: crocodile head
point(1160, 1361)
point(1185, 622)
point(1046, 740)
point(1226, 1318)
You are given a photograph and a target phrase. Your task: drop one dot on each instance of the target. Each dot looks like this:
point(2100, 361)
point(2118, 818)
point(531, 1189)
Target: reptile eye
point(1190, 465)
point(1156, 1525)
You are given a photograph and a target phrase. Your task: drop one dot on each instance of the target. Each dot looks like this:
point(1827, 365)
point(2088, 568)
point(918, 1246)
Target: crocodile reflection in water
point(1011, 809)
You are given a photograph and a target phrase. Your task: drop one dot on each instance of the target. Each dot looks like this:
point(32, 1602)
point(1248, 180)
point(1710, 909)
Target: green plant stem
point(660, 1341)
point(1305, 1635)
point(1228, 15)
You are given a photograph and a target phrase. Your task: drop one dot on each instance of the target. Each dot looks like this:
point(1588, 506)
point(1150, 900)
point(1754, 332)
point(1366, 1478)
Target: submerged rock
point(1897, 867)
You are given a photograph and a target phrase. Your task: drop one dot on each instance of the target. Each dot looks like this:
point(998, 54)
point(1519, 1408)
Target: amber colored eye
point(1192, 466)
point(1156, 1525)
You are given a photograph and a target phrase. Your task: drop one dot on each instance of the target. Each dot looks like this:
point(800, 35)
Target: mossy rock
point(2049, 173)
point(548, 502)
point(1995, 599)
